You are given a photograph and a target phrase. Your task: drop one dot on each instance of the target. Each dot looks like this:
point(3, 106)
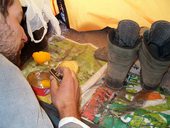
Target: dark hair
point(4, 4)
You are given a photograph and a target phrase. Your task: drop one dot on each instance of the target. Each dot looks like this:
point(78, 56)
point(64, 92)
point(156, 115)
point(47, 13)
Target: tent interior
point(91, 25)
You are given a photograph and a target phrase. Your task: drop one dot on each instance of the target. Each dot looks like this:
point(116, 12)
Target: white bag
point(38, 14)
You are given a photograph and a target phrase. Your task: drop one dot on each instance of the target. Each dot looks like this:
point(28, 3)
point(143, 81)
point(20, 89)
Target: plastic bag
point(38, 14)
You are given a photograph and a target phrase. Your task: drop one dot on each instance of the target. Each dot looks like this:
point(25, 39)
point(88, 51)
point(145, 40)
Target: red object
point(41, 91)
point(91, 108)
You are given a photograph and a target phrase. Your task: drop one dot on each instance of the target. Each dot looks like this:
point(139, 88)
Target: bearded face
point(12, 35)
point(8, 45)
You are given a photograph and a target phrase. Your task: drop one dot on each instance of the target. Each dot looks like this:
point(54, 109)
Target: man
point(19, 107)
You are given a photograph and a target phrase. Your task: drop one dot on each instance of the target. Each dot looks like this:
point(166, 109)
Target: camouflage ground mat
point(107, 110)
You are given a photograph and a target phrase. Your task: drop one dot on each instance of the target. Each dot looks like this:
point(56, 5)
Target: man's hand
point(66, 94)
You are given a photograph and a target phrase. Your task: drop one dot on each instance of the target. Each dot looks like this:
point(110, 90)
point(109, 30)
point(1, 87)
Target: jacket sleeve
point(71, 122)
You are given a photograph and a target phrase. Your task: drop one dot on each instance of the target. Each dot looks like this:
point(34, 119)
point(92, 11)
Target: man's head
point(12, 35)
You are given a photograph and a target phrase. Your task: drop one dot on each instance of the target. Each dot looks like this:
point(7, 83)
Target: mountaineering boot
point(123, 46)
point(154, 54)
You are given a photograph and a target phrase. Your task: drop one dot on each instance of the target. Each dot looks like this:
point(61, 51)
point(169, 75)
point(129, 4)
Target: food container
point(40, 82)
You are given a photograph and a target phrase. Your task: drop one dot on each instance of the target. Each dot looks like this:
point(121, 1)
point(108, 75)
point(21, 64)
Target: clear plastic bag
point(38, 14)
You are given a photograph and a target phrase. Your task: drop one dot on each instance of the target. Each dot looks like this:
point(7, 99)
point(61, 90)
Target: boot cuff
point(127, 34)
point(112, 39)
point(157, 40)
